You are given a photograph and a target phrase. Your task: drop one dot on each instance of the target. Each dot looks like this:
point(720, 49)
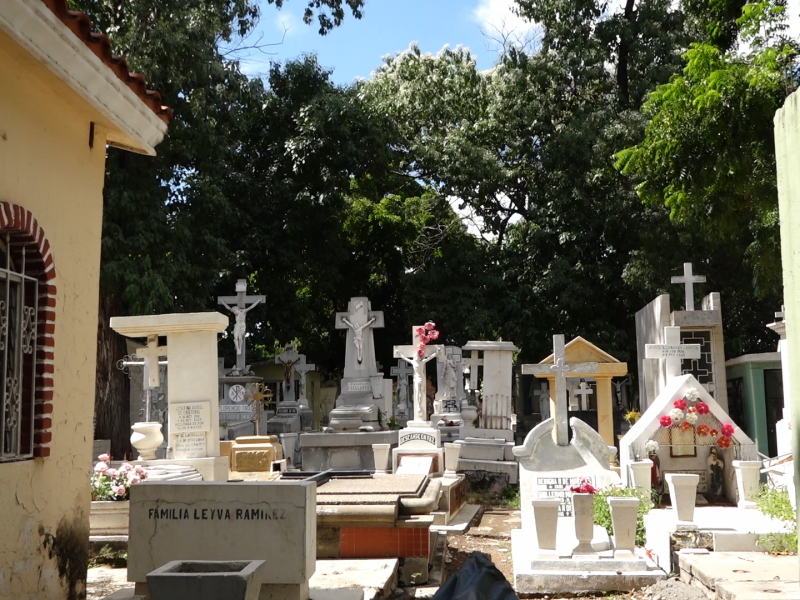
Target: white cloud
point(502, 26)
point(289, 23)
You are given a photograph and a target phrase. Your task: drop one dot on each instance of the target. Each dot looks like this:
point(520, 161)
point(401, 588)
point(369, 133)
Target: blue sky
point(388, 26)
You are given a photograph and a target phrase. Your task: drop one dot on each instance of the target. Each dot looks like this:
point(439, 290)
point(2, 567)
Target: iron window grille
point(19, 293)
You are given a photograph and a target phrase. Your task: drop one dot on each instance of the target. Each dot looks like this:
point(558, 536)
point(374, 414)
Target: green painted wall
point(752, 374)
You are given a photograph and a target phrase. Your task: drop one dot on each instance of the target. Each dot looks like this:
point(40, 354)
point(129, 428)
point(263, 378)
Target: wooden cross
point(672, 351)
point(688, 279)
point(150, 354)
point(289, 359)
point(583, 391)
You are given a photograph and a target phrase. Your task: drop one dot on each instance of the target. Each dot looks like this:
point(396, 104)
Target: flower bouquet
point(114, 484)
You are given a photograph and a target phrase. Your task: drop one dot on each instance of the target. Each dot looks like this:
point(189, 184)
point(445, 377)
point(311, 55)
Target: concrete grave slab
point(377, 578)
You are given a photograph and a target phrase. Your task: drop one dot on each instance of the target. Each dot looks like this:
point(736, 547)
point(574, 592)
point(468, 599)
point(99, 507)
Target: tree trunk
point(622, 64)
point(112, 386)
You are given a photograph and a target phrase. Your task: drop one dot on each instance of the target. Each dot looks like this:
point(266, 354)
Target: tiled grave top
point(404, 485)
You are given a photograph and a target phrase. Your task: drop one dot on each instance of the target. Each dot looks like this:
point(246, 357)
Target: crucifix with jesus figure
point(418, 359)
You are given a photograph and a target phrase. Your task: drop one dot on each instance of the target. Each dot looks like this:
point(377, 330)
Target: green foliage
point(510, 497)
point(116, 559)
point(329, 13)
point(602, 512)
point(774, 502)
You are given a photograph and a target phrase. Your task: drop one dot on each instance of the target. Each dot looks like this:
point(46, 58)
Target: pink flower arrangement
point(113, 484)
point(427, 333)
point(680, 403)
point(584, 487)
point(665, 420)
point(724, 442)
point(727, 430)
point(702, 408)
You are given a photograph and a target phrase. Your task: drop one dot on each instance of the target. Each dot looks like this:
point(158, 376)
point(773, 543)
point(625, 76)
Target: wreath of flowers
point(684, 416)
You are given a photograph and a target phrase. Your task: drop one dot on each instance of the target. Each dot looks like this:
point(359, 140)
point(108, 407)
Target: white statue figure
point(239, 328)
point(358, 336)
point(449, 377)
point(402, 395)
point(418, 364)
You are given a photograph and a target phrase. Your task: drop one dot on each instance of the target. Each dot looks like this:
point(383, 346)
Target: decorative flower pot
point(583, 509)
point(545, 518)
point(381, 455)
point(201, 579)
point(146, 438)
point(451, 455)
point(469, 413)
point(624, 514)
point(683, 494)
point(641, 472)
point(109, 517)
point(748, 479)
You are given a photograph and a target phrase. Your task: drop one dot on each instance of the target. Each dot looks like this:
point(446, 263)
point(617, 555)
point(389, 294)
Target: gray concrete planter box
point(206, 580)
point(109, 517)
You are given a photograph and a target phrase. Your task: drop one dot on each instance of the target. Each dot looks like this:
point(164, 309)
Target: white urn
point(146, 438)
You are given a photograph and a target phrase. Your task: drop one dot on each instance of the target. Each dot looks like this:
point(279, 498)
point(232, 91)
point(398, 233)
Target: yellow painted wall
point(47, 167)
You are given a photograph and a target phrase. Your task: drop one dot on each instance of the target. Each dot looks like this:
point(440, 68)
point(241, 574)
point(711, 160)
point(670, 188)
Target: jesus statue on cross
point(417, 355)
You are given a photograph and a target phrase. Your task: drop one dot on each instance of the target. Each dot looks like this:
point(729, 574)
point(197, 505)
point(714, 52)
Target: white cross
point(472, 363)
point(150, 354)
point(302, 368)
point(417, 362)
point(688, 279)
point(782, 313)
point(583, 391)
point(672, 351)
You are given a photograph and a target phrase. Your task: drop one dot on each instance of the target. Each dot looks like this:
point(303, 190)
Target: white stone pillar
point(683, 494)
point(545, 518)
point(748, 475)
point(381, 454)
point(451, 455)
point(642, 470)
point(624, 515)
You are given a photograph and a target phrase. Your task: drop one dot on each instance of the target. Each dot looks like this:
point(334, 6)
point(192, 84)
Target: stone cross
point(473, 362)
point(417, 362)
point(560, 368)
point(150, 354)
point(583, 391)
point(782, 313)
point(672, 351)
point(240, 305)
point(289, 359)
point(688, 279)
point(359, 320)
point(302, 368)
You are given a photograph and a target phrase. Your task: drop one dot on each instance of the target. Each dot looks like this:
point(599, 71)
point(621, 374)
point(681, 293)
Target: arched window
point(27, 324)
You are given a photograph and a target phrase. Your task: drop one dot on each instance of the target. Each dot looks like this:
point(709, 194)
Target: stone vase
point(683, 494)
point(469, 413)
point(381, 454)
point(624, 514)
point(146, 438)
point(545, 518)
point(583, 509)
point(206, 579)
point(748, 479)
point(451, 455)
point(109, 517)
point(641, 472)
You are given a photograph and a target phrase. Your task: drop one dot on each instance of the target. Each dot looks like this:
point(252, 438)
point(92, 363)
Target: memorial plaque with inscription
point(556, 486)
point(189, 444)
point(190, 416)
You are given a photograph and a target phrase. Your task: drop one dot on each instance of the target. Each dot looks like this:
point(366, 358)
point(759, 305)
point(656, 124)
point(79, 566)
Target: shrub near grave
point(602, 512)
point(774, 502)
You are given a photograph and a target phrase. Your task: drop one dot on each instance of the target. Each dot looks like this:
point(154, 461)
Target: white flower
point(651, 447)
point(677, 415)
point(691, 417)
point(692, 394)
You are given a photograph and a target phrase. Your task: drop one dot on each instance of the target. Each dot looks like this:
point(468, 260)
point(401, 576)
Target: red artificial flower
point(585, 487)
point(434, 335)
point(703, 430)
point(420, 331)
point(724, 442)
point(702, 408)
point(727, 430)
point(714, 433)
point(421, 351)
point(680, 403)
point(685, 426)
point(665, 420)
point(430, 325)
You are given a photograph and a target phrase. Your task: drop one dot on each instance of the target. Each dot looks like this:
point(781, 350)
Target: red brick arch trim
point(25, 232)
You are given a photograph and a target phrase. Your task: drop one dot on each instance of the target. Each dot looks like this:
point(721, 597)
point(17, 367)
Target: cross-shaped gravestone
point(543, 393)
point(289, 359)
point(411, 355)
point(240, 305)
point(688, 279)
point(583, 392)
point(150, 413)
point(782, 313)
point(302, 368)
point(472, 362)
point(402, 371)
point(359, 320)
point(150, 354)
point(672, 351)
point(560, 369)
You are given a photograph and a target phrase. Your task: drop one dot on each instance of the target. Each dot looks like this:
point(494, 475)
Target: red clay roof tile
point(81, 26)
